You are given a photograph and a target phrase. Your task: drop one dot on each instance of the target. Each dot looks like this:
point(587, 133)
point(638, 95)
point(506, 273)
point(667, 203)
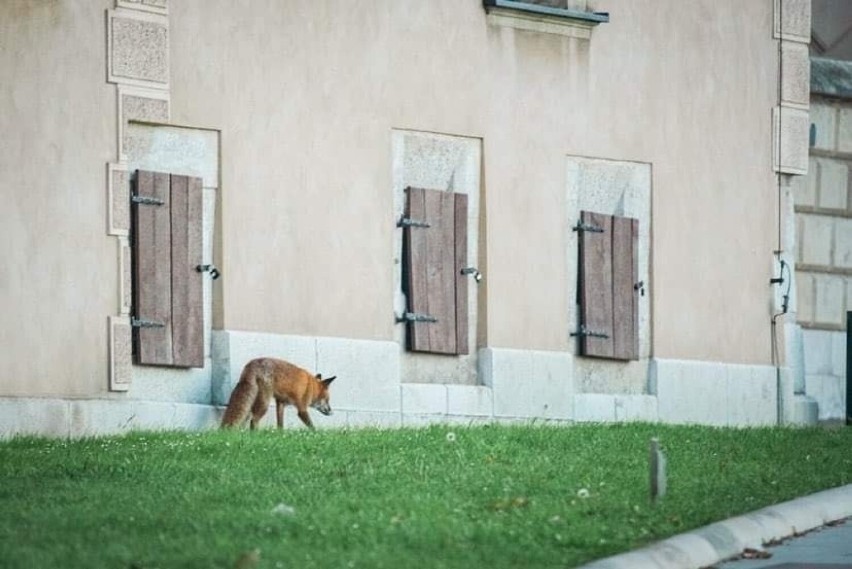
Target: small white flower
point(451, 437)
point(284, 510)
point(583, 493)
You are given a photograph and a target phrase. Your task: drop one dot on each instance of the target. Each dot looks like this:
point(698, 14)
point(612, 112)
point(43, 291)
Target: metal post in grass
point(657, 463)
point(849, 368)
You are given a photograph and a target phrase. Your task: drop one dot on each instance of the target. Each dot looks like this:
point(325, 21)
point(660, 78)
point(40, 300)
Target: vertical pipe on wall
point(849, 368)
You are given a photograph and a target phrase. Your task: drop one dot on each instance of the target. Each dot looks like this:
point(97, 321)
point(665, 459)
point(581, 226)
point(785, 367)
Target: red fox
point(265, 378)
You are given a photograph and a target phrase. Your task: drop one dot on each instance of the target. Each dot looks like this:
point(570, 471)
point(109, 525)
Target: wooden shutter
point(434, 257)
point(167, 288)
point(608, 299)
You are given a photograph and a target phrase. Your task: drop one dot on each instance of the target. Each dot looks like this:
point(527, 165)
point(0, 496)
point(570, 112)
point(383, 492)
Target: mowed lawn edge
point(441, 496)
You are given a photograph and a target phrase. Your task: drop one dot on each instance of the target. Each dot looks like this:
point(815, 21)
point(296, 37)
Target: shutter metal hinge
point(408, 222)
point(414, 317)
point(587, 227)
point(142, 323)
point(214, 272)
point(583, 332)
point(146, 200)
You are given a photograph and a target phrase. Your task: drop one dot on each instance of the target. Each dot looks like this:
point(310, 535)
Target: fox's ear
point(329, 380)
point(319, 376)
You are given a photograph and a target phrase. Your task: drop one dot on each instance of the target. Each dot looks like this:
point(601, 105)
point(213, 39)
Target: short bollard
point(657, 462)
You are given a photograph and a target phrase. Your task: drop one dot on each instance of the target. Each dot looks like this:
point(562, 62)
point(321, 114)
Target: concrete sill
point(545, 19)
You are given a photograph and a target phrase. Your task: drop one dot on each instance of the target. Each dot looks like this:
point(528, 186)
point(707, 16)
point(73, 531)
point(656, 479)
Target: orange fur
point(263, 379)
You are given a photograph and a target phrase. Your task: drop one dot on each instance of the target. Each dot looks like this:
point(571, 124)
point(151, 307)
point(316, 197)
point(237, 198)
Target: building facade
point(466, 210)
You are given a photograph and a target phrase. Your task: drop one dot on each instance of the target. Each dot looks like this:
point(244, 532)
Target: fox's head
point(321, 400)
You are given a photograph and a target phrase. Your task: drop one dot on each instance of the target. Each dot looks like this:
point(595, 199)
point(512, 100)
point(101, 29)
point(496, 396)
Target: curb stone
point(723, 540)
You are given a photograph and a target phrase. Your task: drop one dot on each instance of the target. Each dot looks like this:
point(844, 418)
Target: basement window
point(562, 17)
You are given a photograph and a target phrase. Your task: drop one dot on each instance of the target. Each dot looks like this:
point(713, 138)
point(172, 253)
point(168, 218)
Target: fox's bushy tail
point(241, 401)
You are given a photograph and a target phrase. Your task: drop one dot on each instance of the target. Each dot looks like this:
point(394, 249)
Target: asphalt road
point(829, 547)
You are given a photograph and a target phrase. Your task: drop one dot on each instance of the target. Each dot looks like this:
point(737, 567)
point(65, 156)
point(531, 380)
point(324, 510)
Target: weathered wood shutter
point(609, 268)
point(167, 288)
point(435, 251)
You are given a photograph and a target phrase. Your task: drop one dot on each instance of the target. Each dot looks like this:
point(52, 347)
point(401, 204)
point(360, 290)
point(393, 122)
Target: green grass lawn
point(489, 496)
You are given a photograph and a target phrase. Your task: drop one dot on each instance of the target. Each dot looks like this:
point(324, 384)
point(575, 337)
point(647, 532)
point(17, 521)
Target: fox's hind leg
point(279, 413)
point(258, 408)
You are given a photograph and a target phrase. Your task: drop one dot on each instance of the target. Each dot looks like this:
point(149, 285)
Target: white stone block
point(844, 129)
point(594, 408)
point(691, 392)
point(804, 297)
point(191, 385)
point(838, 353)
point(367, 373)
point(829, 391)
point(636, 408)
point(554, 386)
point(792, 20)
point(467, 400)
point(528, 383)
point(424, 399)
point(824, 118)
point(751, 395)
point(833, 184)
point(25, 416)
point(793, 127)
point(804, 188)
point(795, 73)
point(830, 305)
point(843, 242)
point(818, 346)
point(816, 239)
point(795, 354)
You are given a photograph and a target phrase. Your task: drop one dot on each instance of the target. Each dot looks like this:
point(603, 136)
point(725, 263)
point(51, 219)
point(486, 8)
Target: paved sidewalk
point(711, 545)
point(829, 547)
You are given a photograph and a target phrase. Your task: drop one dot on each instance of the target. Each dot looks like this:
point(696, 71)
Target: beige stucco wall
point(58, 272)
point(307, 94)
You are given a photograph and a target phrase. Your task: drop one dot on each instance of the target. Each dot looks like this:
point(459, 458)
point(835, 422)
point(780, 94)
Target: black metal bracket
point(584, 332)
point(407, 222)
point(214, 272)
point(146, 200)
point(142, 323)
point(587, 227)
point(414, 317)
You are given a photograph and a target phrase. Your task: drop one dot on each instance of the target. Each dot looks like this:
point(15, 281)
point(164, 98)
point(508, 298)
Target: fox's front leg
point(279, 413)
point(306, 419)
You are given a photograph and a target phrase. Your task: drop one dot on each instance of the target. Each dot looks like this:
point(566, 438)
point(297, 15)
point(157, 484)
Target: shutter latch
point(408, 222)
point(587, 227)
point(640, 286)
point(414, 317)
point(584, 332)
point(214, 272)
point(142, 323)
point(477, 276)
point(146, 200)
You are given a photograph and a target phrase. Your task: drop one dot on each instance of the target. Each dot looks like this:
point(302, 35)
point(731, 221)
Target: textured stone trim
point(120, 359)
point(797, 20)
point(792, 125)
point(125, 282)
point(118, 199)
point(135, 103)
point(153, 6)
point(138, 56)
